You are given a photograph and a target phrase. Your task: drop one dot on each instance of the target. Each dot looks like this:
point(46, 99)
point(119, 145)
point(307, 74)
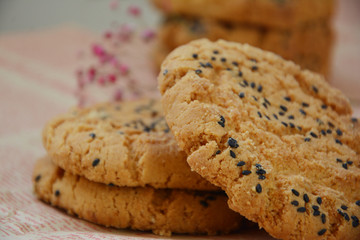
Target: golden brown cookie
point(125, 144)
point(163, 211)
point(279, 140)
point(283, 14)
point(307, 45)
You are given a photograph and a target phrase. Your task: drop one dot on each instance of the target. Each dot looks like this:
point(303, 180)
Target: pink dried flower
point(148, 34)
point(101, 81)
point(98, 50)
point(107, 35)
point(112, 78)
point(118, 96)
point(134, 10)
point(125, 32)
point(124, 69)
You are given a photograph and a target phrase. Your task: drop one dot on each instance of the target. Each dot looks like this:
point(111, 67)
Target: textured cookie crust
point(126, 144)
point(308, 45)
point(162, 211)
point(270, 13)
point(279, 140)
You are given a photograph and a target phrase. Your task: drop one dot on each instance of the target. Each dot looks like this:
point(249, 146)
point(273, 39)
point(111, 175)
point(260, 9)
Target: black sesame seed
point(281, 113)
point(245, 82)
point(346, 217)
point(258, 188)
point(213, 58)
point(302, 112)
point(252, 85)
point(165, 72)
point(111, 185)
point(262, 177)
point(355, 223)
point(258, 166)
point(338, 141)
point(354, 120)
point(324, 106)
point(232, 154)
point(275, 116)
point(204, 203)
point(304, 104)
point(221, 124)
point(202, 64)
point(295, 203)
point(315, 89)
point(296, 193)
point(349, 162)
point(260, 115)
point(313, 135)
point(339, 132)
point(315, 207)
point(246, 172)
point(240, 164)
point(323, 132)
point(209, 65)
point(284, 123)
point(216, 52)
point(211, 198)
point(343, 207)
point(328, 131)
point(233, 143)
point(38, 177)
point(306, 198)
point(198, 71)
point(339, 160)
point(267, 117)
point(291, 117)
point(223, 59)
point(265, 106)
point(283, 108)
point(228, 69)
point(242, 95)
point(322, 232)
point(316, 213)
point(331, 125)
point(218, 152)
point(300, 128)
point(195, 56)
point(57, 193)
point(291, 125)
point(267, 101)
point(345, 166)
point(323, 218)
point(235, 64)
point(260, 88)
point(307, 139)
point(240, 73)
point(301, 209)
point(95, 162)
point(357, 203)
point(260, 171)
point(287, 99)
point(92, 135)
point(340, 212)
point(255, 98)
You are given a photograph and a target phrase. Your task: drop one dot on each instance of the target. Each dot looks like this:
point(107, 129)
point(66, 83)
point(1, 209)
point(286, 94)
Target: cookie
point(123, 144)
point(299, 44)
point(161, 210)
point(284, 14)
point(279, 140)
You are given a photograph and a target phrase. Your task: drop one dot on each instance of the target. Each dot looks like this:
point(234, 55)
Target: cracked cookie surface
point(163, 211)
point(279, 140)
point(124, 144)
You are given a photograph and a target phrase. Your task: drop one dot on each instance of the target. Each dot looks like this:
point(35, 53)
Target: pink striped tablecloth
point(37, 82)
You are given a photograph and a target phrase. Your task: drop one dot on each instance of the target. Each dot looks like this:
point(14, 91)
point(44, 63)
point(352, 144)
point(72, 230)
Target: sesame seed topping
point(346, 216)
point(284, 123)
point(338, 141)
point(262, 177)
point(315, 89)
point(111, 185)
point(57, 193)
point(241, 95)
point(245, 82)
point(218, 152)
point(301, 209)
point(355, 222)
point(307, 139)
point(258, 166)
point(260, 88)
point(95, 162)
point(246, 172)
point(296, 193)
point(287, 99)
point(240, 73)
point(232, 154)
point(258, 188)
point(354, 120)
point(204, 203)
point(216, 52)
point(304, 104)
point(283, 108)
point(291, 117)
point(240, 164)
point(315, 207)
point(323, 132)
point(323, 218)
point(233, 143)
point(260, 171)
point(306, 198)
point(281, 113)
point(316, 213)
point(331, 124)
point(195, 56)
point(265, 106)
point(339, 132)
point(291, 125)
point(302, 112)
point(92, 135)
point(267, 117)
point(198, 71)
point(345, 166)
point(322, 232)
point(313, 135)
point(209, 65)
point(213, 58)
point(343, 207)
point(295, 203)
point(38, 177)
point(222, 121)
point(165, 72)
point(328, 131)
point(253, 60)
point(319, 200)
point(324, 106)
point(349, 162)
point(235, 63)
point(260, 115)
point(300, 128)
point(255, 98)
point(267, 101)
point(223, 59)
point(275, 116)
point(252, 85)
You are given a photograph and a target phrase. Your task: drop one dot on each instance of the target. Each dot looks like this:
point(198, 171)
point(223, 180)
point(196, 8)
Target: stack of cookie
point(298, 30)
point(117, 164)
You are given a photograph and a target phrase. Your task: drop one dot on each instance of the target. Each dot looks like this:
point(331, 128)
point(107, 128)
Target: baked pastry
point(280, 141)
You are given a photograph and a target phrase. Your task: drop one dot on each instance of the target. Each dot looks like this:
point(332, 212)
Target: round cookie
point(284, 14)
point(161, 210)
point(125, 144)
point(279, 140)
